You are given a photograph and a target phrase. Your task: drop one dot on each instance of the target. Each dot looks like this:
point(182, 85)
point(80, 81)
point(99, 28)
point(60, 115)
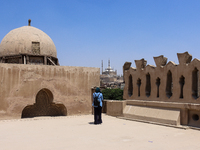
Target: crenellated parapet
point(168, 83)
point(178, 82)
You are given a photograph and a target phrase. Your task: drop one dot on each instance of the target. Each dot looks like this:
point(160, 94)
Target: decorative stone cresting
point(140, 64)
point(126, 66)
point(160, 60)
point(173, 89)
point(184, 58)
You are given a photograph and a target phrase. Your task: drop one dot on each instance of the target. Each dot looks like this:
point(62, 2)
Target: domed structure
point(28, 45)
point(109, 71)
point(28, 51)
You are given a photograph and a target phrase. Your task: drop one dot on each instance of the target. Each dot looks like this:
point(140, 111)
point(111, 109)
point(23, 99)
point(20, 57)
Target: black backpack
point(96, 102)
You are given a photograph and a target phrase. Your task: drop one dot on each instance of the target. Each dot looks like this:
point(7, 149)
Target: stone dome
point(27, 40)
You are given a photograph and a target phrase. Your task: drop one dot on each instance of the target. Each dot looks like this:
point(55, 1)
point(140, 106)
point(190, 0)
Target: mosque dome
point(27, 40)
point(28, 45)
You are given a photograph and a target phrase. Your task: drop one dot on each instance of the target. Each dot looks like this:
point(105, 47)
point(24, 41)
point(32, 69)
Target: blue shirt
point(100, 98)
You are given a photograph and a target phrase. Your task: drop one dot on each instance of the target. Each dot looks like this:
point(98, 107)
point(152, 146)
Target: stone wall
point(70, 86)
point(171, 82)
point(167, 82)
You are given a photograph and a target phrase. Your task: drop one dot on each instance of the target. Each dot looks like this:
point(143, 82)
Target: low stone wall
point(114, 107)
point(188, 112)
point(179, 112)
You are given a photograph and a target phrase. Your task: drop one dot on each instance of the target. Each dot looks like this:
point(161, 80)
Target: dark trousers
point(97, 115)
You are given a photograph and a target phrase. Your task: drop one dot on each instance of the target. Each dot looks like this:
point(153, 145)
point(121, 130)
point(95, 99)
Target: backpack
point(96, 102)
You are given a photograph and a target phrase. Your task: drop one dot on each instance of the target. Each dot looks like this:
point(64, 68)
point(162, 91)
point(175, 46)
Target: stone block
point(115, 107)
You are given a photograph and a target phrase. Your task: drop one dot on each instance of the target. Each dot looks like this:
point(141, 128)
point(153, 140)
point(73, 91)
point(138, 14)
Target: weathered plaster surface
point(189, 104)
point(183, 69)
point(70, 86)
point(20, 40)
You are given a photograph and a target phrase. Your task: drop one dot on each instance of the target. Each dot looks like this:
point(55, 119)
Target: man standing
point(97, 103)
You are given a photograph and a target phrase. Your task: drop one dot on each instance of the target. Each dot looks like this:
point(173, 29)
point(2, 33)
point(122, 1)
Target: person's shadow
point(90, 122)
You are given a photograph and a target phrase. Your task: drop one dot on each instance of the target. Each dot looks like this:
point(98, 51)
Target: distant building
point(109, 71)
point(109, 78)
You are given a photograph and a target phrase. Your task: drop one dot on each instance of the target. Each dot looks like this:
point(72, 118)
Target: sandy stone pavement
point(79, 133)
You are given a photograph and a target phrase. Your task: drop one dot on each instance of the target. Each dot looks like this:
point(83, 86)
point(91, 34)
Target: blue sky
point(88, 31)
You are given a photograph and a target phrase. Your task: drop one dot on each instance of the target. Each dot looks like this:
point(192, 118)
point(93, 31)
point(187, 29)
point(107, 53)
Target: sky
point(85, 32)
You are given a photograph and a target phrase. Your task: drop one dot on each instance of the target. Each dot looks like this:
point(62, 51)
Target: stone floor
point(79, 133)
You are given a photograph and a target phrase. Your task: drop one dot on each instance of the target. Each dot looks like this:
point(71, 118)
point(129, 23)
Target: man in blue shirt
point(97, 109)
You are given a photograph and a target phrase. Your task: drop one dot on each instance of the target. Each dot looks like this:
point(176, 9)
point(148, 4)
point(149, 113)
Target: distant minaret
point(102, 67)
point(108, 63)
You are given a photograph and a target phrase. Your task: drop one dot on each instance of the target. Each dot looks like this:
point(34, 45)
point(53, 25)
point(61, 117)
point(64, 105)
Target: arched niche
point(158, 85)
point(130, 86)
point(44, 106)
point(169, 85)
point(148, 85)
point(138, 85)
point(181, 82)
point(195, 81)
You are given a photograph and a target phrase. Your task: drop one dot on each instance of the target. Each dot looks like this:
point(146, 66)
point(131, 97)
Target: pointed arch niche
point(148, 85)
point(138, 85)
point(181, 82)
point(158, 85)
point(195, 80)
point(130, 86)
point(169, 85)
